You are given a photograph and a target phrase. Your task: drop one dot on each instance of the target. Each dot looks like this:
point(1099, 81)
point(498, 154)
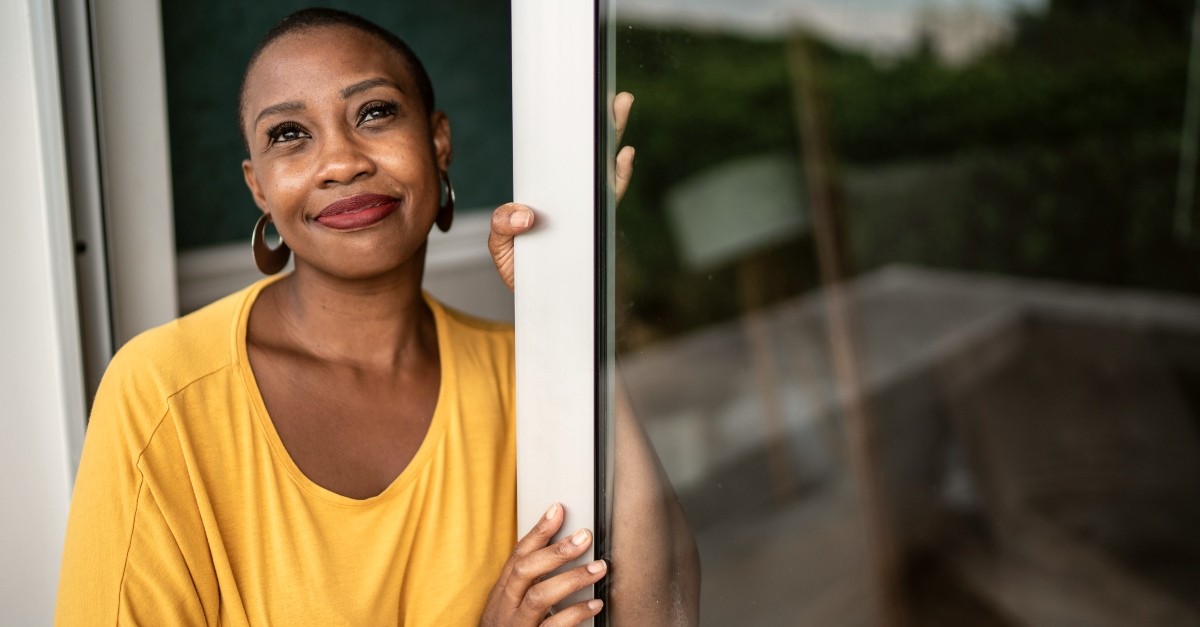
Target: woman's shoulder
point(477, 345)
point(155, 366)
point(172, 355)
point(459, 322)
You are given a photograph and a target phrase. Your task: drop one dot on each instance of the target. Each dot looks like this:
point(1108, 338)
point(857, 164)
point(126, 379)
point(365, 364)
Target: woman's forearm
point(655, 577)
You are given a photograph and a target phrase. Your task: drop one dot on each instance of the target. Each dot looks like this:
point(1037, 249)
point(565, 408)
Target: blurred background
point(909, 302)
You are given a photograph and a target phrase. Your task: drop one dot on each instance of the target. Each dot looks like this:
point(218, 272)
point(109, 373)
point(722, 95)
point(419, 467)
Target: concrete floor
point(964, 385)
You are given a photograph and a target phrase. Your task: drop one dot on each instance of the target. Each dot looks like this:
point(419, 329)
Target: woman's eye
point(285, 132)
point(376, 111)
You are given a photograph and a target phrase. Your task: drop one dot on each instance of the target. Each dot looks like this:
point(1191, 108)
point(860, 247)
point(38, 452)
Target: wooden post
point(828, 211)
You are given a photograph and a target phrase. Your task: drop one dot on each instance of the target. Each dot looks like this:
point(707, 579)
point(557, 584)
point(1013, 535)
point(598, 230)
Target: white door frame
point(41, 378)
point(86, 194)
point(559, 143)
point(135, 164)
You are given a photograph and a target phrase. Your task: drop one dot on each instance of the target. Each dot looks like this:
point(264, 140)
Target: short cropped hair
point(306, 19)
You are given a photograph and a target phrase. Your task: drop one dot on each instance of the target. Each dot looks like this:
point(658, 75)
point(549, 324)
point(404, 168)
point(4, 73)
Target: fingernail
point(552, 511)
point(519, 219)
point(595, 605)
point(596, 566)
point(579, 538)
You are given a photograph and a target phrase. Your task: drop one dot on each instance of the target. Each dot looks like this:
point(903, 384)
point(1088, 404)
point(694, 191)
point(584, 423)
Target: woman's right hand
point(525, 594)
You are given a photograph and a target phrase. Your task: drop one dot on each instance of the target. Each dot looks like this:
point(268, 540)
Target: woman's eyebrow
point(291, 106)
point(362, 86)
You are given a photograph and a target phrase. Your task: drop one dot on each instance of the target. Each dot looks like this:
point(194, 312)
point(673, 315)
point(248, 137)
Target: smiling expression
point(343, 154)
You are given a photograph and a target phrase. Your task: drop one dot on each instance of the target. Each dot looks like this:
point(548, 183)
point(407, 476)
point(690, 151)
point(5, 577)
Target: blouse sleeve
point(121, 562)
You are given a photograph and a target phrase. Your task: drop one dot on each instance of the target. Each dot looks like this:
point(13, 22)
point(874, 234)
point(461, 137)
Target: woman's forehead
point(324, 56)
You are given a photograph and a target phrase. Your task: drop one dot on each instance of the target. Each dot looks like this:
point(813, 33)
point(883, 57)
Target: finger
point(623, 171)
point(622, 104)
point(508, 220)
point(537, 538)
point(543, 596)
point(575, 614)
point(511, 219)
point(528, 570)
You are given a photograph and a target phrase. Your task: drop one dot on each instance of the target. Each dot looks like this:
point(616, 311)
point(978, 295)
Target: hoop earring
point(445, 216)
point(268, 260)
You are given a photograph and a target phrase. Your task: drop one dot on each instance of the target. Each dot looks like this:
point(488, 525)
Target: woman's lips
point(357, 211)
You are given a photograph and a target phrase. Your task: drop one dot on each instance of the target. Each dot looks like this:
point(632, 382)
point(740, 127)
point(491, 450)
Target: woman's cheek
point(288, 180)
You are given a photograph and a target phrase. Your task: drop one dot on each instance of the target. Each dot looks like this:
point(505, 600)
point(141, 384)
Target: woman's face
point(342, 153)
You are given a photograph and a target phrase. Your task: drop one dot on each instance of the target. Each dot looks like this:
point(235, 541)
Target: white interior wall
point(40, 369)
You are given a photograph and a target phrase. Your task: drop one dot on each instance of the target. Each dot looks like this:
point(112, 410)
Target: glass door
point(907, 299)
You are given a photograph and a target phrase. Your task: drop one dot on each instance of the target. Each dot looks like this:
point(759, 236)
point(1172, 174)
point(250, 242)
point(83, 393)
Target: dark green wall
point(465, 45)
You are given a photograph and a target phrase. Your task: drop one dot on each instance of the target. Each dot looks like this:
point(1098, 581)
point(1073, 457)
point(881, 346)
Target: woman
point(332, 446)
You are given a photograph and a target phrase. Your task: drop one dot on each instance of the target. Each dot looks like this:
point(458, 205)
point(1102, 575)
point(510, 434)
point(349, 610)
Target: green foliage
point(701, 100)
point(1052, 156)
point(1092, 211)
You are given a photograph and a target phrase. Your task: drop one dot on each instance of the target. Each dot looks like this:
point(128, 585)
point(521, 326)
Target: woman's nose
point(343, 160)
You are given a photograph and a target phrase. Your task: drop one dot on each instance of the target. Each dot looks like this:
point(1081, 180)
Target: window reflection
point(909, 304)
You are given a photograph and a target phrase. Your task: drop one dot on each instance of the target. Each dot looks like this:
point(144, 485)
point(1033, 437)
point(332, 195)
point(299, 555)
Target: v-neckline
point(433, 435)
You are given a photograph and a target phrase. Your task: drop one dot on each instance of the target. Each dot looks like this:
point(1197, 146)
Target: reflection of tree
point(1080, 68)
point(1059, 152)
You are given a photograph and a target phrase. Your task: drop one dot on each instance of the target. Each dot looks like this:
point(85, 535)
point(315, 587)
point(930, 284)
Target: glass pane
point(908, 303)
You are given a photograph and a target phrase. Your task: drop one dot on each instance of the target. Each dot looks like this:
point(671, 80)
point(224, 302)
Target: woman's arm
point(655, 576)
point(122, 560)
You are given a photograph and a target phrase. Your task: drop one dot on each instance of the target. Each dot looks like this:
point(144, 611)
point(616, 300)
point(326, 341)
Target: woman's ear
point(443, 150)
point(252, 183)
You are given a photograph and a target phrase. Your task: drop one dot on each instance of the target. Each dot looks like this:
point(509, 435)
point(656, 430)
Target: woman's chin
point(388, 264)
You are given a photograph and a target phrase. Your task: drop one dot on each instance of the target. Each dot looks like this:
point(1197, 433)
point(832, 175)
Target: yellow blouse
point(189, 511)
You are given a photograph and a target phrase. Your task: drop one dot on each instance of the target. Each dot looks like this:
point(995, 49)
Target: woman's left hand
point(512, 219)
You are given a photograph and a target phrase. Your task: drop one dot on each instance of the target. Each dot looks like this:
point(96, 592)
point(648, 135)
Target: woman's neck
point(380, 323)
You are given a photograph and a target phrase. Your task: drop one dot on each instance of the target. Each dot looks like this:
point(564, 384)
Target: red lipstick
point(357, 211)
